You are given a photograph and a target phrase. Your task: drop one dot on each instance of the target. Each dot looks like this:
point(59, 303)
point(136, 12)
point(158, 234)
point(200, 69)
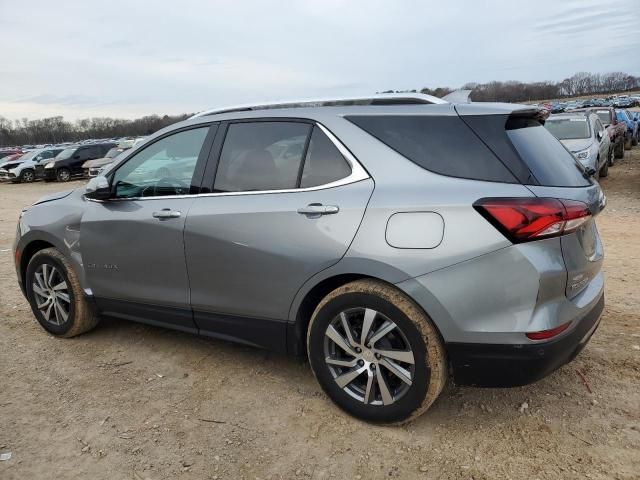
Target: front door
point(132, 245)
point(286, 205)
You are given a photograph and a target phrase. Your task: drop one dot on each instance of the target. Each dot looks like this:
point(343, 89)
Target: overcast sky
point(127, 58)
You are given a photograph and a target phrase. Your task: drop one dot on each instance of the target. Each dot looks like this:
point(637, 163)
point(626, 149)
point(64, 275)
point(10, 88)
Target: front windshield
point(66, 153)
point(568, 128)
point(30, 155)
point(113, 152)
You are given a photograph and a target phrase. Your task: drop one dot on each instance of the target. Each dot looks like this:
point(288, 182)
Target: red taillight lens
point(576, 213)
point(526, 219)
point(547, 334)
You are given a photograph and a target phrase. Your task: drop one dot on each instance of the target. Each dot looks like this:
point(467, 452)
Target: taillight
point(527, 219)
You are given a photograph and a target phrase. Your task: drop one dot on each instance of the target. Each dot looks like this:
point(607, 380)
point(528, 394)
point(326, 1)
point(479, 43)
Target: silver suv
point(393, 240)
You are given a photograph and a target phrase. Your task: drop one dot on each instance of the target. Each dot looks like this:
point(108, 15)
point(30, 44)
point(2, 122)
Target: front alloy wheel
point(27, 176)
point(63, 175)
point(55, 295)
point(376, 353)
point(51, 293)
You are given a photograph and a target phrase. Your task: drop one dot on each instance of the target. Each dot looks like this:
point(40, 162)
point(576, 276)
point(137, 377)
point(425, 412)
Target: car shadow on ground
point(198, 354)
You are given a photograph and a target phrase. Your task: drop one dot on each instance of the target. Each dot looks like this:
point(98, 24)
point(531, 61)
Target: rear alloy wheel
point(63, 175)
point(55, 295)
point(27, 176)
point(375, 353)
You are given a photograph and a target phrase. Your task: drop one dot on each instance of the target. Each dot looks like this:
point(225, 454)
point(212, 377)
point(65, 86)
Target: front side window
point(261, 156)
point(165, 167)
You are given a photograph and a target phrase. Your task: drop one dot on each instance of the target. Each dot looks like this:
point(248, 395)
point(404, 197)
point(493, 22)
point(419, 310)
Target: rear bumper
point(487, 365)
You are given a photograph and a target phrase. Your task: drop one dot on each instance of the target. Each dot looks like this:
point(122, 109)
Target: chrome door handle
point(166, 213)
point(317, 209)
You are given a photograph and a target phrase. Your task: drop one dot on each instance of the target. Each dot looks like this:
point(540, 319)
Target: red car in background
point(6, 152)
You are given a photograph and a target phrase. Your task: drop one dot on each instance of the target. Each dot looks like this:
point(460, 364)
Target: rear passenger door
point(287, 199)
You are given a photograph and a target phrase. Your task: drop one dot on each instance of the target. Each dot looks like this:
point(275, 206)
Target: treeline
point(582, 83)
point(57, 130)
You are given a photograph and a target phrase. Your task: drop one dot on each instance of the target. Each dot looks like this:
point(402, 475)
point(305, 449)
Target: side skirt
point(265, 333)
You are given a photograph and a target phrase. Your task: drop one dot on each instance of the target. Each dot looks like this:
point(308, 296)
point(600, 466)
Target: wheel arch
point(297, 329)
point(27, 254)
point(306, 303)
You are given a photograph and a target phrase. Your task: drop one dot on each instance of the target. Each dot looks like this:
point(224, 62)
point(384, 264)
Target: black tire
point(610, 159)
point(27, 176)
point(604, 170)
point(80, 315)
point(63, 175)
point(429, 368)
point(634, 140)
point(619, 149)
point(628, 143)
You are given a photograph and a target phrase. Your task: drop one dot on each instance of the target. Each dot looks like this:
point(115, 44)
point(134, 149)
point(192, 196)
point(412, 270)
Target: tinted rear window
point(550, 163)
point(443, 145)
point(534, 155)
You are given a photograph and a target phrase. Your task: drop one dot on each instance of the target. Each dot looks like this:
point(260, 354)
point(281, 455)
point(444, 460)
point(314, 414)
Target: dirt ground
point(137, 402)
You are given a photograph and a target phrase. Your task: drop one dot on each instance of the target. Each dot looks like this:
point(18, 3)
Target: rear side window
point(324, 163)
point(549, 161)
point(261, 156)
point(443, 145)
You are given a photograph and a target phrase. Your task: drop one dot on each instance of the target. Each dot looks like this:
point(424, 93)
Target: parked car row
point(62, 162)
point(596, 136)
point(616, 101)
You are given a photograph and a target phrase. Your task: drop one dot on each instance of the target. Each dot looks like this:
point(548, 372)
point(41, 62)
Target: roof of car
point(397, 103)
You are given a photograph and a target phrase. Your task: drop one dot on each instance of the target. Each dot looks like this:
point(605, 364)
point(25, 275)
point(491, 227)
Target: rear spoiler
point(509, 109)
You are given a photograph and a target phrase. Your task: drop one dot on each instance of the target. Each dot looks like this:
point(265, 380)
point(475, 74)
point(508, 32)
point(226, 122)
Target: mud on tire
point(430, 363)
point(81, 316)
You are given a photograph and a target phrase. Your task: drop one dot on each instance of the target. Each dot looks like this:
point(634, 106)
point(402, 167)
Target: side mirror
point(98, 188)
point(599, 136)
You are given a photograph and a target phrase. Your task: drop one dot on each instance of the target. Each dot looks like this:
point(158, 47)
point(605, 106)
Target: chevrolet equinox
point(395, 240)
